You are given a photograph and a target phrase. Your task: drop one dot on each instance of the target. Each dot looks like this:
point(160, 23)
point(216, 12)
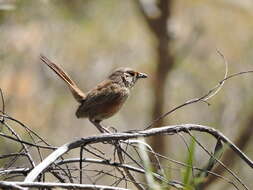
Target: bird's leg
point(99, 126)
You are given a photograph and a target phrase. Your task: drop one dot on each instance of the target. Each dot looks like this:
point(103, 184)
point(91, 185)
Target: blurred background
point(174, 42)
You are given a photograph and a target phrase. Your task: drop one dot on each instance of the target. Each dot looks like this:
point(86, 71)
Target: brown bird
point(105, 99)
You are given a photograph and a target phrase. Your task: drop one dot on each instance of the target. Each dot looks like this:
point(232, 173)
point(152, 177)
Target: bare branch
point(23, 171)
point(27, 143)
point(54, 185)
point(4, 115)
point(168, 130)
point(9, 185)
point(129, 175)
point(204, 98)
point(226, 168)
point(3, 104)
point(23, 145)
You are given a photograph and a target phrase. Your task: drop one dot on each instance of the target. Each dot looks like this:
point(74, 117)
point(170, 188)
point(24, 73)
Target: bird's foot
point(113, 129)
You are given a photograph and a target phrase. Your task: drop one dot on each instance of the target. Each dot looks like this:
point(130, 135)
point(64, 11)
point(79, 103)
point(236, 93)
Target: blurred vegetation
point(90, 38)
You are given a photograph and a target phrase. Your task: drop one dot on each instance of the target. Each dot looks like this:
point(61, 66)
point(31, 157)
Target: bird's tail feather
point(78, 94)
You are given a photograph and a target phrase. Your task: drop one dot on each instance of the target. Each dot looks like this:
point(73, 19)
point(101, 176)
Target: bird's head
point(127, 76)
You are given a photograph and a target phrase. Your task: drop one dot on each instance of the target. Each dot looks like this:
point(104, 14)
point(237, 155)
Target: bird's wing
point(105, 93)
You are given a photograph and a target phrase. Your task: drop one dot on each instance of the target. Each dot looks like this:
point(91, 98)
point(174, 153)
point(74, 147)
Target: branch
point(5, 116)
point(8, 185)
point(3, 104)
point(27, 143)
point(103, 162)
point(23, 171)
point(203, 98)
point(241, 141)
point(168, 130)
point(54, 185)
point(128, 173)
point(118, 165)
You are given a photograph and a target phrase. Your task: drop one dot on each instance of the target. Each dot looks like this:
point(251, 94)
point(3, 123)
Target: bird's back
point(103, 101)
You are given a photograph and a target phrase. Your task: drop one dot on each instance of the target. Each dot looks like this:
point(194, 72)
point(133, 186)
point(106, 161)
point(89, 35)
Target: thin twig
point(211, 93)
point(23, 145)
point(129, 175)
point(3, 104)
point(81, 165)
point(23, 125)
point(226, 168)
point(27, 143)
point(60, 185)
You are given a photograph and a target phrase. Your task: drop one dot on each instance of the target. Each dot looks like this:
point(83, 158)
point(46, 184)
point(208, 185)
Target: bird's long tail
point(78, 94)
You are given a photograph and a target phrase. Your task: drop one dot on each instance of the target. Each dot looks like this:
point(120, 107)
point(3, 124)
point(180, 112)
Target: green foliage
point(148, 168)
point(187, 173)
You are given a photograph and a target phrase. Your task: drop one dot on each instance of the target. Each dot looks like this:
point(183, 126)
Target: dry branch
point(53, 165)
point(54, 185)
point(168, 130)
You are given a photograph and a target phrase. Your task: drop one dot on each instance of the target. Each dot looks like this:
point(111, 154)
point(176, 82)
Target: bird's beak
point(142, 75)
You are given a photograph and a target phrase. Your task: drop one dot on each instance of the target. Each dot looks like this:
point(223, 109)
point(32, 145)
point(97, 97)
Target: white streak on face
point(129, 79)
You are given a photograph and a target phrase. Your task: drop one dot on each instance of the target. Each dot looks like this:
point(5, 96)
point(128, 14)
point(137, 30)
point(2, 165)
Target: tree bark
point(165, 62)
